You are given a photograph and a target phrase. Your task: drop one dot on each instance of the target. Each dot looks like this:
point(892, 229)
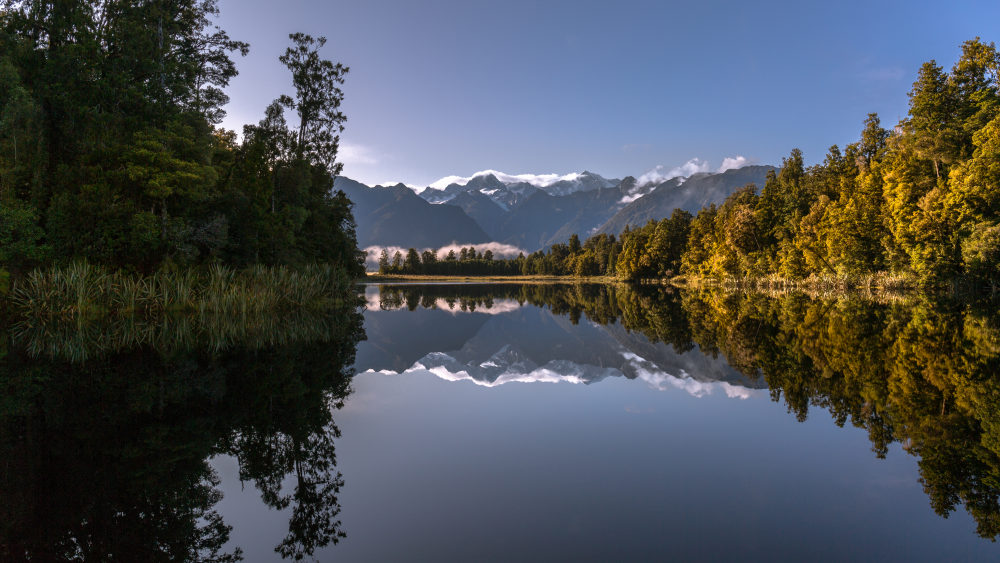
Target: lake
point(510, 422)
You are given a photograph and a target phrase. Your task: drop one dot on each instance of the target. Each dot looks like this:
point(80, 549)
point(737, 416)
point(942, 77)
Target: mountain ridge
point(396, 216)
point(532, 217)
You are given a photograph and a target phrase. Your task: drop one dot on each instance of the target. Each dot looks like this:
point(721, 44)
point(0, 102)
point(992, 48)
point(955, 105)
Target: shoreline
point(374, 277)
point(875, 284)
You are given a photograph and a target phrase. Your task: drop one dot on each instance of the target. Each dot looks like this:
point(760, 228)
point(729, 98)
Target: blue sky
point(453, 87)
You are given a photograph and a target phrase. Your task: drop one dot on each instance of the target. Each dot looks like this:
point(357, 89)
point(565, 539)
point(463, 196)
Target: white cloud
point(631, 197)
point(356, 154)
point(730, 163)
point(498, 307)
point(540, 180)
point(658, 175)
point(499, 250)
point(373, 301)
point(449, 180)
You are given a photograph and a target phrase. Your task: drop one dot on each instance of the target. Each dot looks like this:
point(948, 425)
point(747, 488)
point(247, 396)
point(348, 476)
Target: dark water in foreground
point(483, 422)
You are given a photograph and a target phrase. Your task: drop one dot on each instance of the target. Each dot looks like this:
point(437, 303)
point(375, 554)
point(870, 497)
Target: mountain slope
point(484, 211)
point(690, 195)
point(396, 216)
point(543, 219)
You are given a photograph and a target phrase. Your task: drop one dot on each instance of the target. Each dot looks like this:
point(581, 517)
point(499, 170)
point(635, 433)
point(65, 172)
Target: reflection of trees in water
point(80, 340)
point(923, 372)
point(109, 458)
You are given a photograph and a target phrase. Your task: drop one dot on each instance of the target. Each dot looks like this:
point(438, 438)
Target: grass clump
point(83, 290)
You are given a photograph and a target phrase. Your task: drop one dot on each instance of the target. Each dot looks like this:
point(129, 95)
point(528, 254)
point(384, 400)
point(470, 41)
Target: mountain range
point(530, 216)
point(396, 216)
point(531, 344)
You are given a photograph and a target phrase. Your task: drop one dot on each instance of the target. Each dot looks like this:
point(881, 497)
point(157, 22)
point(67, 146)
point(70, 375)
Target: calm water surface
point(541, 422)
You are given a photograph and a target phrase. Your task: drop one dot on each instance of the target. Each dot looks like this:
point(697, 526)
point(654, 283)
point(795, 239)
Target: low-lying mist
point(499, 250)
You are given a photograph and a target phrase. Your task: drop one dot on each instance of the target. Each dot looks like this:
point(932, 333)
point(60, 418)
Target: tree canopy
point(110, 149)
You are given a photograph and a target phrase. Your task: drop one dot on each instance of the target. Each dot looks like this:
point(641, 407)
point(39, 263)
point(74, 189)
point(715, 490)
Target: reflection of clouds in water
point(493, 374)
point(540, 375)
point(499, 250)
point(648, 372)
point(499, 306)
point(372, 301)
point(490, 373)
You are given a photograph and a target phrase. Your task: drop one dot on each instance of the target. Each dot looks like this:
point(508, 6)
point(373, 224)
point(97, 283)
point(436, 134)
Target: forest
point(918, 204)
point(111, 150)
point(111, 153)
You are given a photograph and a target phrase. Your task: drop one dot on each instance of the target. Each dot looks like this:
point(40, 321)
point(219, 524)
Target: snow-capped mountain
point(530, 211)
point(507, 190)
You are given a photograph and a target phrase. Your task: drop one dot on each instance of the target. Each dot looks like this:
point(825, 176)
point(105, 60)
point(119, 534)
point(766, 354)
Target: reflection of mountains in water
point(528, 344)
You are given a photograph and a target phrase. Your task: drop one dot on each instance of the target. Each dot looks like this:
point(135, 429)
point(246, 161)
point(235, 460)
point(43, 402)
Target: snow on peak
point(539, 180)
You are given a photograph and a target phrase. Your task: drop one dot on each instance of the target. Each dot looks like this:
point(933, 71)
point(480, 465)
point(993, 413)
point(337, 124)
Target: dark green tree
point(317, 101)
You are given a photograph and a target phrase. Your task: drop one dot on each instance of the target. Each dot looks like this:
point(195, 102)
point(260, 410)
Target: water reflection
point(497, 335)
point(920, 371)
point(108, 430)
point(109, 458)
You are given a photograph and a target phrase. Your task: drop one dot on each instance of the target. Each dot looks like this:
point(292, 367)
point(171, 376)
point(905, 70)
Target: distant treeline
point(921, 203)
point(590, 259)
point(110, 149)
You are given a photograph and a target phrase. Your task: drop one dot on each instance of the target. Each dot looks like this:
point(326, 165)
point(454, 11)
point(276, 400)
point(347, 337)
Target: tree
point(574, 243)
point(873, 140)
point(108, 114)
point(21, 239)
point(383, 262)
point(213, 68)
point(411, 263)
point(976, 80)
point(931, 123)
point(317, 101)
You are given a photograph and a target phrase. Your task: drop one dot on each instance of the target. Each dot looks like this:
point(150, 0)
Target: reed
point(78, 340)
point(83, 290)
